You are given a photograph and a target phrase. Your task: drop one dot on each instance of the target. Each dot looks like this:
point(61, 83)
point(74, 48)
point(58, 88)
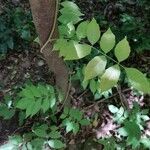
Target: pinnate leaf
point(122, 50)
point(110, 78)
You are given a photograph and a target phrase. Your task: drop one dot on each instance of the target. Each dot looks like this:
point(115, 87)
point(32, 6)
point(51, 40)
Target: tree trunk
point(43, 12)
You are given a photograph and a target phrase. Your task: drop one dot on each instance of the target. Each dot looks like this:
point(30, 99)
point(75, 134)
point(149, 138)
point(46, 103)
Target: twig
point(104, 99)
point(122, 97)
point(82, 94)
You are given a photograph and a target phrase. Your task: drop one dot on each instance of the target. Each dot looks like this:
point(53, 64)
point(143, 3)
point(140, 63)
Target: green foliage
point(73, 119)
point(108, 143)
point(35, 99)
point(6, 108)
point(93, 58)
point(70, 48)
point(73, 15)
point(6, 112)
point(15, 25)
point(131, 124)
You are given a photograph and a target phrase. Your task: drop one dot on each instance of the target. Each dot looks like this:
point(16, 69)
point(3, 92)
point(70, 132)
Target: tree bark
point(43, 12)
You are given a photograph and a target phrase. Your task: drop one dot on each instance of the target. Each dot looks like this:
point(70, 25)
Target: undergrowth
point(97, 59)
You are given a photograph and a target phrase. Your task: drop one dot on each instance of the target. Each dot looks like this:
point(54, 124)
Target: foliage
point(73, 119)
point(131, 125)
point(36, 98)
point(15, 26)
point(126, 18)
point(40, 100)
point(70, 47)
point(97, 59)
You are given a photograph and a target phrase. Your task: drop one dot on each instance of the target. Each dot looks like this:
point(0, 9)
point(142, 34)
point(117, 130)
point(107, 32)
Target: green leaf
point(35, 90)
point(113, 109)
point(110, 78)
point(93, 32)
point(138, 80)
point(52, 101)
point(40, 130)
point(72, 50)
point(67, 30)
point(146, 142)
point(95, 67)
point(61, 45)
point(76, 51)
point(82, 30)
point(55, 134)
point(75, 127)
point(26, 92)
point(122, 50)
point(72, 12)
point(5, 112)
point(73, 15)
point(63, 116)
point(46, 104)
point(93, 86)
point(109, 143)
point(30, 108)
point(70, 5)
point(37, 143)
point(107, 41)
point(76, 114)
point(57, 144)
point(67, 18)
point(85, 122)
point(69, 126)
point(134, 132)
point(36, 107)
point(23, 103)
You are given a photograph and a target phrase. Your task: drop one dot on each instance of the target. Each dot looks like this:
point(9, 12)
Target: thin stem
point(108, 57)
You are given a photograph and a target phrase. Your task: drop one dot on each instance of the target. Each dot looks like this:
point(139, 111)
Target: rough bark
point(43, 12)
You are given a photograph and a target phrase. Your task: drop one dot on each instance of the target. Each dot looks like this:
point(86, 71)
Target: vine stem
point(53, 27)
